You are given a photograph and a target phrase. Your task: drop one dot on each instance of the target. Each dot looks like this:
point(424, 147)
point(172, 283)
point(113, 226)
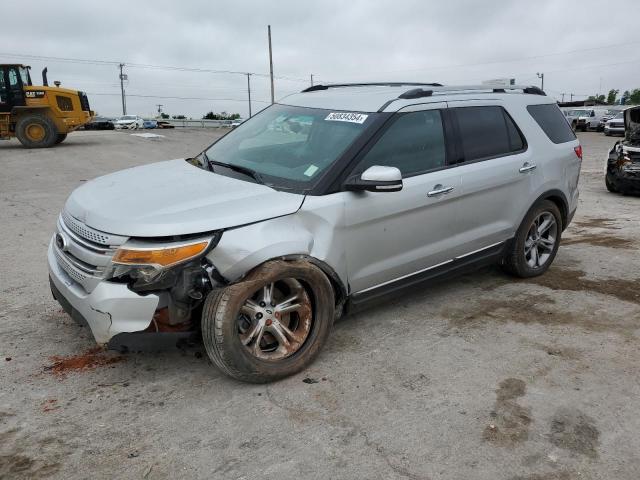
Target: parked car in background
point(622, 170)
point(615, 125)
point(100, 123)
point(129, 121)
point(150, 123)
point(608, 116)
point(164, 124)
point(236, 123)
point(336, 197)
point(585, 118)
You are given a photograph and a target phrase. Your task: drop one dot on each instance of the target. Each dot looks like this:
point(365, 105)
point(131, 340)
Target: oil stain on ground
point(597, 223)
point(574, 431)
point(509, 421)
point(596, 240)
point(575, 280)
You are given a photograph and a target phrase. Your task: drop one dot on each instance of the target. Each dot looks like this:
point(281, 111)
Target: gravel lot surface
point(481, 377)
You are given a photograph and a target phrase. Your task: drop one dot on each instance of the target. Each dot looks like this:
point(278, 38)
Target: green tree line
point(630, 97)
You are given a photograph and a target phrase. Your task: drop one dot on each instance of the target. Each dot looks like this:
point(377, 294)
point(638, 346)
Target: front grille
point(86, 254)
point(84, 101)
point(64, 103)
point(81, 229)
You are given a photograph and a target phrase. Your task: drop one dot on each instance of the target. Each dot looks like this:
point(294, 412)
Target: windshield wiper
point(236, 168)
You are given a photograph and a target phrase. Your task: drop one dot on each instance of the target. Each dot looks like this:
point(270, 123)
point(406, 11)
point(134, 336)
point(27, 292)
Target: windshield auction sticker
point(347, 117)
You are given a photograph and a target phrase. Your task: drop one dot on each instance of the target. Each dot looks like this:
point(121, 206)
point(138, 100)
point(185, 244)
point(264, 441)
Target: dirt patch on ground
point(574, 431)
point(546, 476)
point(89, 360)
point(509, 421)
point(16, 463)
point(596, 240)
point(537, 309)
point(574, 280)
point(597, 223)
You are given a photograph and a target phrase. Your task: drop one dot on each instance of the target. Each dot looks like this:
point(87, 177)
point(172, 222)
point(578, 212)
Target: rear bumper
point(110, 308)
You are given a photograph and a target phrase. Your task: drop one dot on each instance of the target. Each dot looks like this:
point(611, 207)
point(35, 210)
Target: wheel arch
point(339, 289)
point(560, 200)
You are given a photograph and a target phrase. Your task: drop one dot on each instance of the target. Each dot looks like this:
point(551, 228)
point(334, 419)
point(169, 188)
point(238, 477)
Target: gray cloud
point(452, 42)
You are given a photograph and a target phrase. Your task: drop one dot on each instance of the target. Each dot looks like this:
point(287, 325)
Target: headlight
point(148, 263)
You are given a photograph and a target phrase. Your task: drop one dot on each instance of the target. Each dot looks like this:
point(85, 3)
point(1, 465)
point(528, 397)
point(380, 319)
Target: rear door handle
point(439, 190)
point(527, 167)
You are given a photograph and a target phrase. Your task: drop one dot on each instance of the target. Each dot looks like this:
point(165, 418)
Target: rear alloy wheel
point(36, 131)
point(536, 242)
point(270, 325)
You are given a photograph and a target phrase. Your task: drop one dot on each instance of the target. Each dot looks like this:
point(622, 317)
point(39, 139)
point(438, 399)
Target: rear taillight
point(578, 151)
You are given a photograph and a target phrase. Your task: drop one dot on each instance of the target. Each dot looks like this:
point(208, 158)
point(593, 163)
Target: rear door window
point(487, 132)
point(552, 122)
point(414, 143)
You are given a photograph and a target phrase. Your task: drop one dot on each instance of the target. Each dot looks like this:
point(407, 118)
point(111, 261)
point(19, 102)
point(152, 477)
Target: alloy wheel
point(276, 320)
point(541, 240)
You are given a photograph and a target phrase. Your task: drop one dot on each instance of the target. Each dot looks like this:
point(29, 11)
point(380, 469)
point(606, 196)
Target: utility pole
point(123, 77)
point(541, 76)
point(249, 91)
point(159, 105)
point(271, 64)
point(563, 98)
point(572, 97)
point(312, 79)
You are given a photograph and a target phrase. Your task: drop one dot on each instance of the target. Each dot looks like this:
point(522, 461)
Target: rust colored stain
point(89, 360)
point(50, 405)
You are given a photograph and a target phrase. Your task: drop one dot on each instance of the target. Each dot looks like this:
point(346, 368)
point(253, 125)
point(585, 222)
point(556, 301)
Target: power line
point(180, 98)
point(148, 66)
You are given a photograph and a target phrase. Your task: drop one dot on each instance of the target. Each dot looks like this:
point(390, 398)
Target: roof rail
point(315, 88)
point(421, 92)
point(418, 92)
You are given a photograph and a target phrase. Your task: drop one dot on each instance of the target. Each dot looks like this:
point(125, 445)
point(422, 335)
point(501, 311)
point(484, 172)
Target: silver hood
point(174, 198)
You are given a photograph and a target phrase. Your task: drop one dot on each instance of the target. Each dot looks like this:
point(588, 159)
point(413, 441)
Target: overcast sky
point(452, 42)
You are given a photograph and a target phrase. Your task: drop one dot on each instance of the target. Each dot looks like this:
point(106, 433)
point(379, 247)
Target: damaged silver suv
point(332, 198)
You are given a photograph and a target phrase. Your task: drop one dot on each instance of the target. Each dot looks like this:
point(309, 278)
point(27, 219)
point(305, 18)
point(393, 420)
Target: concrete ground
point(483, 377)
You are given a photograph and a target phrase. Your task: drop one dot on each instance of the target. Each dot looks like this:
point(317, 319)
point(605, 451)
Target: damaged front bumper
point(110, 309)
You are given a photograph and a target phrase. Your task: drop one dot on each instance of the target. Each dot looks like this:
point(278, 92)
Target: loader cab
point(13, 79)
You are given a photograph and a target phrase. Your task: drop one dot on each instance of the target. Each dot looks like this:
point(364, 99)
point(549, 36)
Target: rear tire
point(610, 186)
point(36, 131)
point(536, 243)
point(243, 334)
point(61, 138)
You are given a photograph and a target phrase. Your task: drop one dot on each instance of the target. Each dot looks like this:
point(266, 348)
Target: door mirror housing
point(376, 179)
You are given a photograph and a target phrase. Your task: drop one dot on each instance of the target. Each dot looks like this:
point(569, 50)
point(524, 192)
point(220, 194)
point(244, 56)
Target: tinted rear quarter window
point(487, 132)
point(552, 122)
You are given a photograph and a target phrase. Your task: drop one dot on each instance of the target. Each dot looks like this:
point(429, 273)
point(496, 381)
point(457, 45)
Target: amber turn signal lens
point(164, 257)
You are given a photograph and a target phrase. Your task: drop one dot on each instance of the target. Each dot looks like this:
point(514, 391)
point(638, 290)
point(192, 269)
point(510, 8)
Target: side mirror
point(376, 179)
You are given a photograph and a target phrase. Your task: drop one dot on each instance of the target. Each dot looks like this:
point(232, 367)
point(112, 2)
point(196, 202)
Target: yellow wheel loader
point(39, 116)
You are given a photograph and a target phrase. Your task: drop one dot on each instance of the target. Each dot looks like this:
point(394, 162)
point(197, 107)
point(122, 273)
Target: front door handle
point(527, 167)
point(439, 190)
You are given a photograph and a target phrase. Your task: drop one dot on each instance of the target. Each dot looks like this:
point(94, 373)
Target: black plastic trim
point(315, 88)
point(457, 267)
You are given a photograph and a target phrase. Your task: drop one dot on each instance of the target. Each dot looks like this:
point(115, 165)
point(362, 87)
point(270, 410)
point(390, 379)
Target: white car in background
point(131, 122)
point(585, 118)
point(236, 123)
point(615, 126)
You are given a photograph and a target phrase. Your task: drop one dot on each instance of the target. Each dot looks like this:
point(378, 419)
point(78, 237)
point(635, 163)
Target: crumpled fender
point(241, 249)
